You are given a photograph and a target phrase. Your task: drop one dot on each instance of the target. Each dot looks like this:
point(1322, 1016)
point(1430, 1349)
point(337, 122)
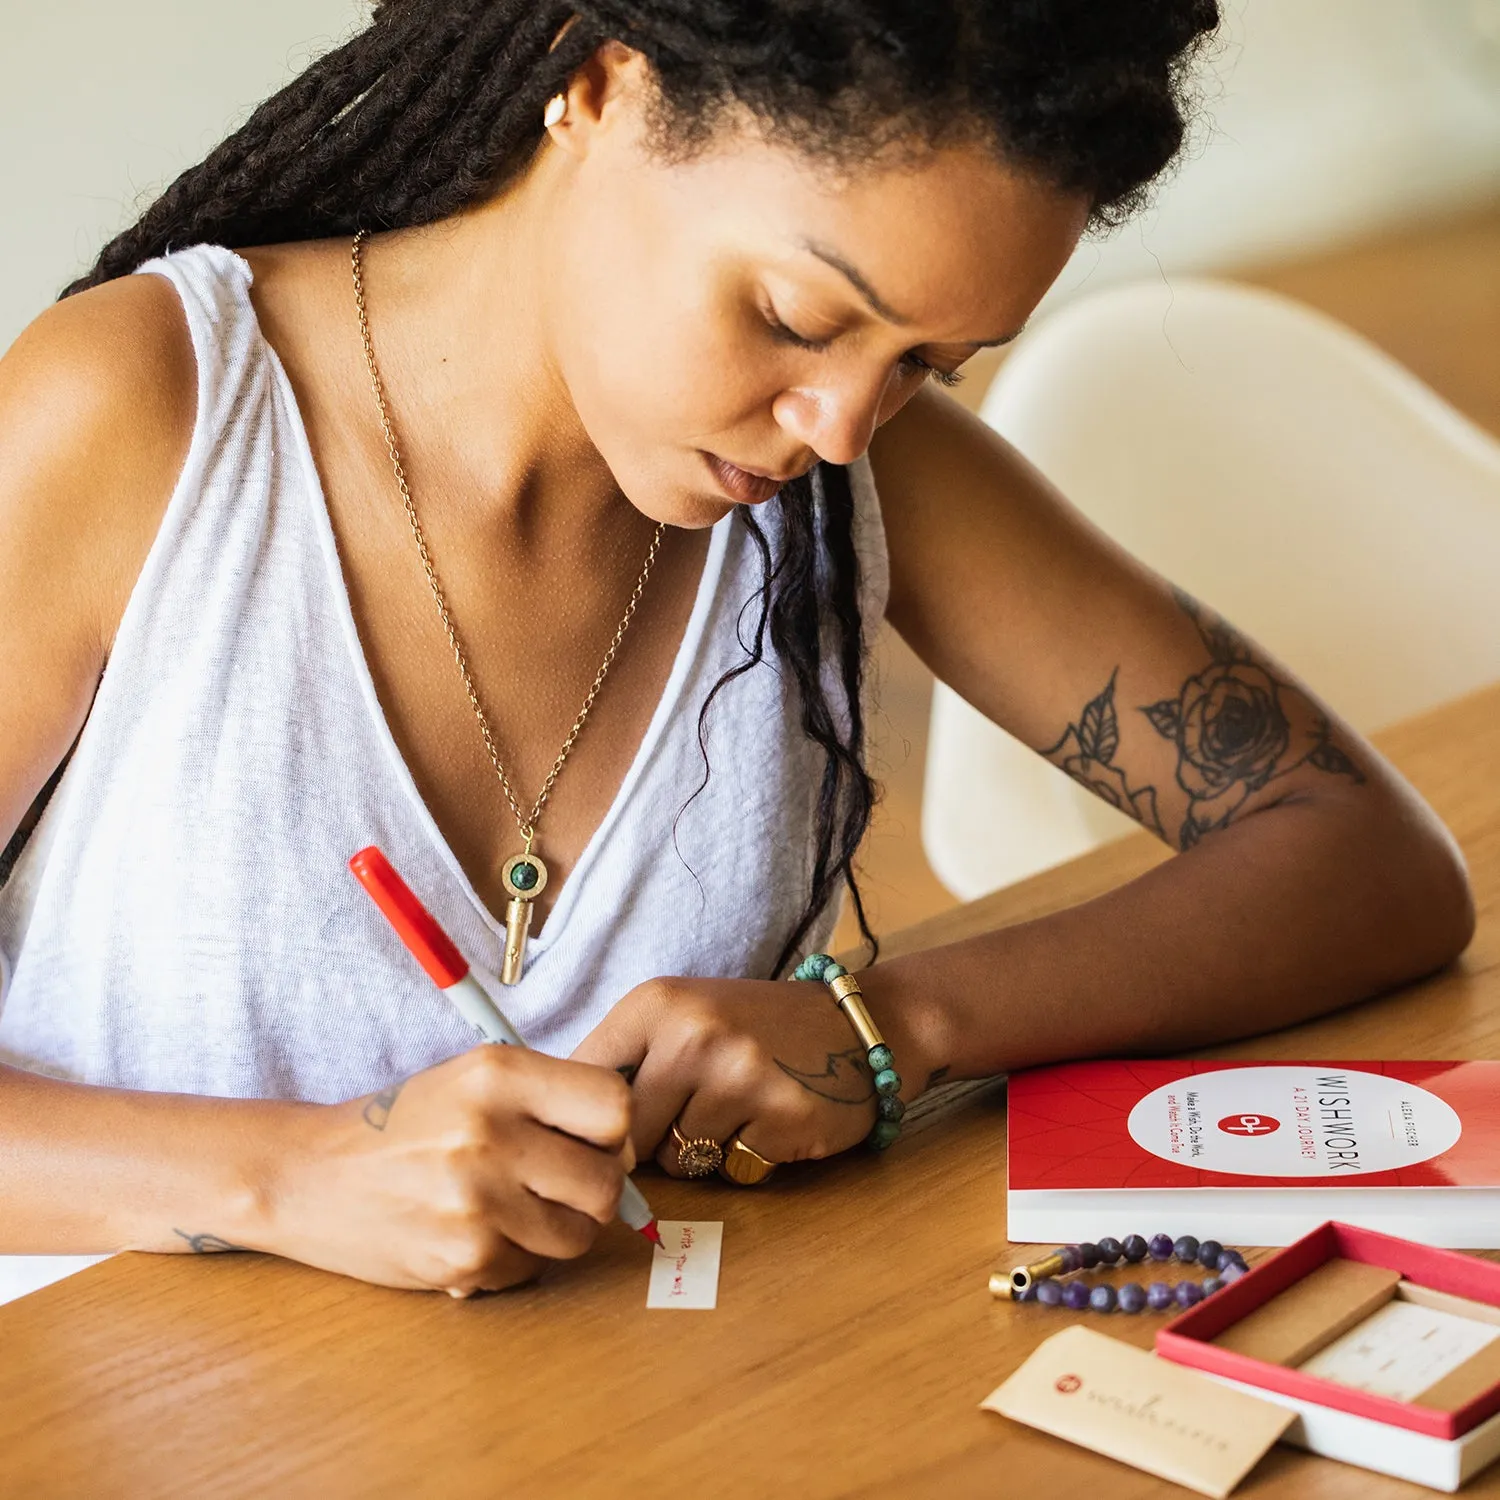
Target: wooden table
point(853, 1340)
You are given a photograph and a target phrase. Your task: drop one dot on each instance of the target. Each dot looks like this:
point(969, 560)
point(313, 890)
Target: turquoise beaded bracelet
point(849, 998)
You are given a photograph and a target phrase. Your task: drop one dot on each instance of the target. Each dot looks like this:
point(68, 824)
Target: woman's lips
point(738, 484)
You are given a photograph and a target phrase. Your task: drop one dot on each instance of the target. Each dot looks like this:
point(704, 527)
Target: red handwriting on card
point(681, 1261)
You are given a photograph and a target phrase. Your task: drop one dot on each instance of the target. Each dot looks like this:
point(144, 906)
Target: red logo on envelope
point(1067, 1384)
point(1249, 1124)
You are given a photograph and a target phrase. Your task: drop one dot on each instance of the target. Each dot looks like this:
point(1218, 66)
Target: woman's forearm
point(465, 1175)
point(1286, 914)
point(87, 1170)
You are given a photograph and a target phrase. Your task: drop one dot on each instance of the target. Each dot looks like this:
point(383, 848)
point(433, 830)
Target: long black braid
point(438, 103)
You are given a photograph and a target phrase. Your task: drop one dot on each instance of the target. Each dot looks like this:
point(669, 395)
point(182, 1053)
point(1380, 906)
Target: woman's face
point(748, 308)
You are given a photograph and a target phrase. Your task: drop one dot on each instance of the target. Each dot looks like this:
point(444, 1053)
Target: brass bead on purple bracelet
point(1036, 1282)
point(1023, 1276)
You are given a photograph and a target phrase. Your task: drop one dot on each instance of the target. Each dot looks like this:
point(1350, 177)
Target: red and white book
point(1255, 1153)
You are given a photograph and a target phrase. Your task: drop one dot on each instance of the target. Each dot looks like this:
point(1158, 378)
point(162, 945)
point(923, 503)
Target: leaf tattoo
point(845, 1078)
point(1225, 644)
point(1087, 753)
point(1166, 717)
point(1328, 757)
point(1098, 725)
point(208, 1244)
point(377, 1111)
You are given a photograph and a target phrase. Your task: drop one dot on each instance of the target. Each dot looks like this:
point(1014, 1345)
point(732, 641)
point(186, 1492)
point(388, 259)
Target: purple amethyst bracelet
point(1037, 1283)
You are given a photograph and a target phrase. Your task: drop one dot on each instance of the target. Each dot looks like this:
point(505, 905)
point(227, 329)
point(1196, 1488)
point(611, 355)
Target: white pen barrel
point(475, 1006)
point(472, 1001)
point(634, 1209)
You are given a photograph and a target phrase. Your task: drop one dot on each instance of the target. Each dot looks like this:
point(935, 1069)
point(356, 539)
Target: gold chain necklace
point(523, 875)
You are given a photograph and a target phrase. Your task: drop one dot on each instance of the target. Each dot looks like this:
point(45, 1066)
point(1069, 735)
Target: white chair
point(1277, 466)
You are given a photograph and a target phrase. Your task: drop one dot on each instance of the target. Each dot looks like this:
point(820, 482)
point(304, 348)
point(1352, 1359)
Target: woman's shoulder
point(930, 438)
point(98, 399)
point(937, 468)
point(970, 524)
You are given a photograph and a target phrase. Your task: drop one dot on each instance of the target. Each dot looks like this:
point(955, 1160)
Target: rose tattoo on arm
point(1236, 726)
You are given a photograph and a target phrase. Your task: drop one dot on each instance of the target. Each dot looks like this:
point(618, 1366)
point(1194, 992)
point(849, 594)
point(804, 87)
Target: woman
point(587, 343)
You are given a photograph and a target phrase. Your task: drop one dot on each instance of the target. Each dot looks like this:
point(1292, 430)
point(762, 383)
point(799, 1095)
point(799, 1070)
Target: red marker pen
point(449, 971)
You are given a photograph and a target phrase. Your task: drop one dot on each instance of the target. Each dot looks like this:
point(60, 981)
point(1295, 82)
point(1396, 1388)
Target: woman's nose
point(835, 420)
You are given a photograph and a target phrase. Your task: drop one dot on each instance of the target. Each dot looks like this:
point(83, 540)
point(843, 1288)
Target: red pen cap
point(414, 924)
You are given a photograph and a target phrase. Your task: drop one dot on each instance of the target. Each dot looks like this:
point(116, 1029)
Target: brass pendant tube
point(517, 925)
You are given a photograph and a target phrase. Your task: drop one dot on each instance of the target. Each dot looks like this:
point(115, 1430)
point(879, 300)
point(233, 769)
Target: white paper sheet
point(685, 1266)
point(20, 1274)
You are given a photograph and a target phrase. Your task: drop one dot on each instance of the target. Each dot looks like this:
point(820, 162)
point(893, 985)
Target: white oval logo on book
point(1337, 1123)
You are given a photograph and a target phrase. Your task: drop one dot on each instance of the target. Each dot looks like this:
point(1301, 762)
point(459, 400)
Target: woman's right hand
point(468, 1176)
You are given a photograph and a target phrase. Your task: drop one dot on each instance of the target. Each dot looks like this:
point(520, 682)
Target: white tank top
point(183, 917)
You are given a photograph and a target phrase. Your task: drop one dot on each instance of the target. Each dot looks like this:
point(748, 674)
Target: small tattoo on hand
point(845, 1078)
point(377, 1111)
point(209, 1244)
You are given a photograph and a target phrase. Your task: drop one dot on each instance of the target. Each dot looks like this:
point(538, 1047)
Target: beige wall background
point(102, 104)
point(1325, 122)
point(1328, 119)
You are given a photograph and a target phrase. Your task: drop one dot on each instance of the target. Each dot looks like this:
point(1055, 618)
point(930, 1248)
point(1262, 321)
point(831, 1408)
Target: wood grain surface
point(853, 1340)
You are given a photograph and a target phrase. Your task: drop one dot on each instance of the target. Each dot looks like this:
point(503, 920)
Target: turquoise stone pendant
point(524, 877)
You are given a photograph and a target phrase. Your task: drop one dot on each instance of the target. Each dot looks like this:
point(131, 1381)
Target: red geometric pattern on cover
point(1067, 1126)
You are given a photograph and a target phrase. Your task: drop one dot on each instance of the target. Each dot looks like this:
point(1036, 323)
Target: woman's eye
point(943, 377)
point(787, 335)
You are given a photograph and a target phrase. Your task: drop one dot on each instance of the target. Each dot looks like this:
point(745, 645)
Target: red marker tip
point(652, 1233)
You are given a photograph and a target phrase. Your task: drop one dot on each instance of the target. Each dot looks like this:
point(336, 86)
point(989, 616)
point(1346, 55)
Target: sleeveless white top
point(183, 917)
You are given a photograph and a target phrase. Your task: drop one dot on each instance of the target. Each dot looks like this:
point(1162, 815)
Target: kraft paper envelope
point(1126, 1403)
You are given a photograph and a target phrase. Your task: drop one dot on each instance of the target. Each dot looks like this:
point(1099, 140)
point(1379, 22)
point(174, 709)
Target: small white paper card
point(1401, 1350)
point(685, 1266)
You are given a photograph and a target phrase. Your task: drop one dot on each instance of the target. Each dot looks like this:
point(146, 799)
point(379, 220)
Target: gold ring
point(696, 1158)
point(744, 1166)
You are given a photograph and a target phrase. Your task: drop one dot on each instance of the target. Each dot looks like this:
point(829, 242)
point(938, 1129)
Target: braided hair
point(438, 103)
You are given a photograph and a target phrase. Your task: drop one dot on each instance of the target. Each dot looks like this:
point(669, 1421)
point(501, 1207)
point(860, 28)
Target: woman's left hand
point(774, 1061)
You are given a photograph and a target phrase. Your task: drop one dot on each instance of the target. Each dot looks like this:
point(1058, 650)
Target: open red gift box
point(1188, 1339)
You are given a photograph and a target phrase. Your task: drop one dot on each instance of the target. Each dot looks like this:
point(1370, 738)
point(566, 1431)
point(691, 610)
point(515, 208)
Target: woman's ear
point(606, 93)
